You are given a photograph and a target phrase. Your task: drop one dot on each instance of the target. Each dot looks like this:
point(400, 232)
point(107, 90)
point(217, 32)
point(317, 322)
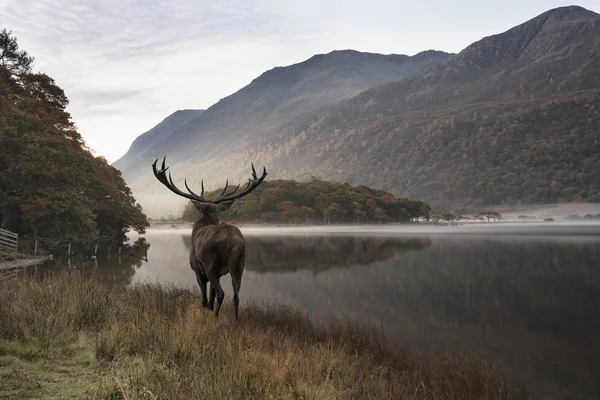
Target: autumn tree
point(425, 211)
point(308, 212)
point(289, 210)
point(51, 184)
point(190, 214)
point(322, 202)
point(334, 212)
point(449, 216)
point(315, 201)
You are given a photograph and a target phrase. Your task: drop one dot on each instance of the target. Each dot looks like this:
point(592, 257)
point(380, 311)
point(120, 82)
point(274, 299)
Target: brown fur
point(217, 249)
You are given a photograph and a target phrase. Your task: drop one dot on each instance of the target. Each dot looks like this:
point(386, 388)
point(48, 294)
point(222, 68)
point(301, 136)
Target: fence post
point(69, 251)
point(35, 249)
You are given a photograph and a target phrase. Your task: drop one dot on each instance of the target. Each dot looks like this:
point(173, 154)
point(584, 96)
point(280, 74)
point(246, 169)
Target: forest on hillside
point(458, 160)
point(537, 155)
point(510, 120)
point(51, 184)
point(318, 202)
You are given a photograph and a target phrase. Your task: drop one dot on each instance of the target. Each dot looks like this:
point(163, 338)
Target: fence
point(8, 240)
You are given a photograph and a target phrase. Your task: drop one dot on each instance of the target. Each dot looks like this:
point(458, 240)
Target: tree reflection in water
point(108, 265)
point(320, 253)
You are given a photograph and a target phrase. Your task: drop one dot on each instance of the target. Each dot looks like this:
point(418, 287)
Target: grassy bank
point(7, 255)
point(68, 336)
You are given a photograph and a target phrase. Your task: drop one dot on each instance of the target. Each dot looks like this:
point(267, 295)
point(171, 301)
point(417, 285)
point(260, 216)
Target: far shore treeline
point(51, 185)
point(317, 201)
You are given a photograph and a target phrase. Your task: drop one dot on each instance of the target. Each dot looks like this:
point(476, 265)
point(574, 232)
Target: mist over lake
point(524, 295)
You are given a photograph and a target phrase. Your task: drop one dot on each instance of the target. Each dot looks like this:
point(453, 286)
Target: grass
point(27, 373)
point(70, 336)
point(7, 255)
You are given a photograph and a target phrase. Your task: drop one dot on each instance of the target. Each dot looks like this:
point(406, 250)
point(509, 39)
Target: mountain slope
point(555, 52)
point(285, 92)
point(154, 136)
point(274, 97)
point(512, 118)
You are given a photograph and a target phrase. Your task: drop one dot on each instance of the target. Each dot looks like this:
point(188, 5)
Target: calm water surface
point(527, 296)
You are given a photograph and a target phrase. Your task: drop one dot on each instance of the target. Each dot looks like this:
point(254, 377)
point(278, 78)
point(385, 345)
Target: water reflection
point(111, 264)
point(530, 302)
point(320, 253)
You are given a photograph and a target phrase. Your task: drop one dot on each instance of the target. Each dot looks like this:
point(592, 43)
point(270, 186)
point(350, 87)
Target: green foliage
point(317, 201)
point(58, 187)
point(449, 216)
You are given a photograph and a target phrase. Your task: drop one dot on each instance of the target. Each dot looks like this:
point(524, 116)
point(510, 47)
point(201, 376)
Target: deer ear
point(225, 205)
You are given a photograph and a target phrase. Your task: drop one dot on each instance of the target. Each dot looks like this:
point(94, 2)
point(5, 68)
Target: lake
point(524, 295)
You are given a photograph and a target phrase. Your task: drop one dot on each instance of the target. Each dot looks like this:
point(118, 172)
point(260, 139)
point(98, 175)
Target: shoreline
point(550, 229)
point(21, 263)
point(161, 336)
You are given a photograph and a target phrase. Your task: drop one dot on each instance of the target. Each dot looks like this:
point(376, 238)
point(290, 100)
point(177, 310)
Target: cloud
point(127, 64)
point(138, 61)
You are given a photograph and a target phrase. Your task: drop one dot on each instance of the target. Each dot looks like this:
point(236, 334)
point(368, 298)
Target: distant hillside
point(317, 202)
point(155, 136)
point(274, 97)
point(511, 119)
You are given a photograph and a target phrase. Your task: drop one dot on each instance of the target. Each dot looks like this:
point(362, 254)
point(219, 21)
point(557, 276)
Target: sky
point(127, 64)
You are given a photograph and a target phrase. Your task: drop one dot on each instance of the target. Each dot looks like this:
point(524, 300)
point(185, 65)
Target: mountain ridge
point(394, 135)
point(275, 96)
point(389, 112)
point(156, 134)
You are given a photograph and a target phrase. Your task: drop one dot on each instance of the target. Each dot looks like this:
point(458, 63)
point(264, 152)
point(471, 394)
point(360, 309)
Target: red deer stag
point(217, 248)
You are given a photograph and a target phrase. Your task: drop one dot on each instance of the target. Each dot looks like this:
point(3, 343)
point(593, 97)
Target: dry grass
point(152, 342)
point(8, 255)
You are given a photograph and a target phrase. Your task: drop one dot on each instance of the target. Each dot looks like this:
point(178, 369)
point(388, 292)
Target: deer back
point(217, 247)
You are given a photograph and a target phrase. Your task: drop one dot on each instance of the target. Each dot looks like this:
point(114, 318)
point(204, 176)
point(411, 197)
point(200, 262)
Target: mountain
point(276, 96)
point(556, 52)
point(155, 136)
point(510, 119)
point(513, 118)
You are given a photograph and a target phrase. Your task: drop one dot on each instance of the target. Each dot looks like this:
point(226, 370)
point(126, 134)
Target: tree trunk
point(10, 217)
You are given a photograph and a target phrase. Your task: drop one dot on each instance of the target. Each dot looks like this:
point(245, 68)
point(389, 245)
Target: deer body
point(217, 249)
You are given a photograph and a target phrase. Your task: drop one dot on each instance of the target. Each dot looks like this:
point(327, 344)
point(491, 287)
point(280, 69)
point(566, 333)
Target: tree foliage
point(489, 215)
point(48, 176)
point(477, 156)
point(317, 201)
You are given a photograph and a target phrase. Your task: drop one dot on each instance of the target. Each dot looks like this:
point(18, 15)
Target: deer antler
point(252, 184)
point(168, 182)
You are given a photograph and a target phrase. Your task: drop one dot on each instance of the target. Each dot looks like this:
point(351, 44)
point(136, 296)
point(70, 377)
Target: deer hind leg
point(236, 270)
point(202, 281)
point(211, 300)
point(200, 277)
point(236, 282)
point(215, 287)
